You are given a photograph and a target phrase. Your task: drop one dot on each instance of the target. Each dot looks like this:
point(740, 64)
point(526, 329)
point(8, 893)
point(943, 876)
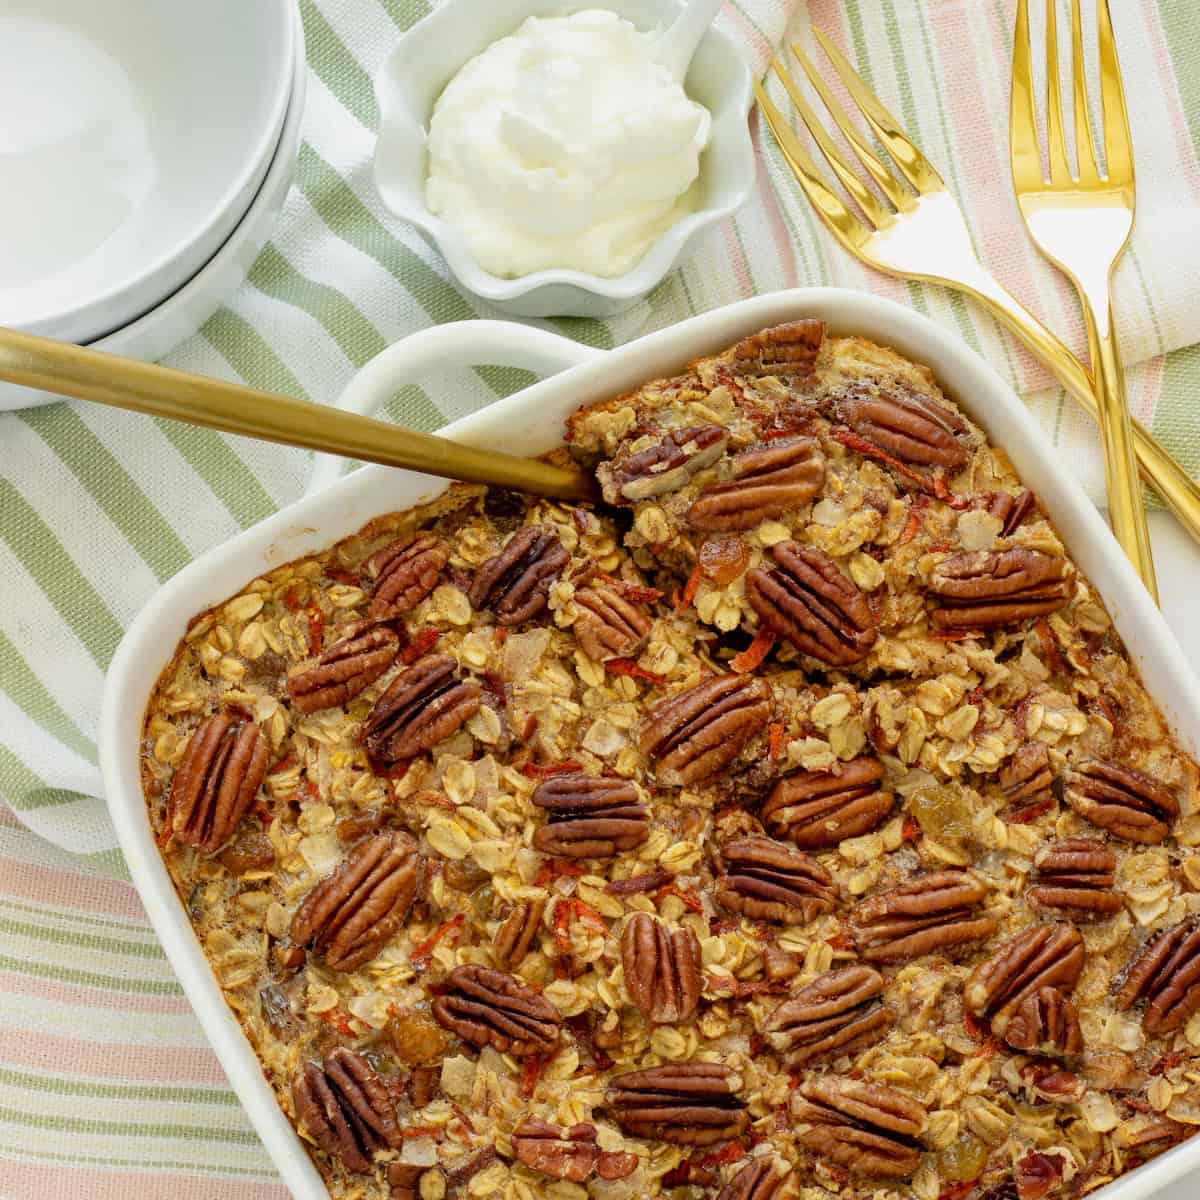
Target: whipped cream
point(564, 145)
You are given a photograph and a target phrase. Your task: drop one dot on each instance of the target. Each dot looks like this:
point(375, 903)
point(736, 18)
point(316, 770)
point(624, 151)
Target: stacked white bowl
point(145, 152)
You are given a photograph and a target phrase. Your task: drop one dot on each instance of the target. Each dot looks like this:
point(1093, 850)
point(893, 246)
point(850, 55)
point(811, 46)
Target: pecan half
point(352, 913)
point(690, 736)
point(560, 1153)
point(768, 881)
point(1045, 1023)
point(815, 809)
point(662, 969)
point(807, 600)
point(931, 914)
point(1041, 957)
point(785, 351)
point(404, 573)
point(838, 1013)
point(346, 1109)
point(1124, 801)
point(1077, 876)
point(762, 1178)
point(665, 466)
point(988, 589)
point(590, 816)
point(422, 706)
point(515, 936)
point(1009, 509)
point(217, 781)
point(867, 1129)
point(609, 625)
point(912, 427)
point(515, 584)
point(348, 667)
point(686, 1104)
point(768, 480)
point(1026, 783)
point(1166, 974)
point(489, 1008)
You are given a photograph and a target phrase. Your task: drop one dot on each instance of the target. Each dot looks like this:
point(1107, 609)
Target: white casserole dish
point(531, 422)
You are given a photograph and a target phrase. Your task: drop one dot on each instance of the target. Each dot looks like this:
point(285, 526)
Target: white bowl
point(173, 321)
point(533, 421)
point(430, 54)
point(133, 138)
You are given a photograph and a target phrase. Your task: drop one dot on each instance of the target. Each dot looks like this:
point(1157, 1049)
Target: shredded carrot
point(420, 645)
point(990, 1047)
point(531, 1070)
point(911, 829)
point(534, 771)
point(555, 868)
point(501, 634)
point(627, 666)
point(1050, 646)
point(976, 1030)
point(588, 915)
point(340, 1020)
point(727, 1154)
point(316, 631)
point(263, 813)
point(941, 489)
point(416, 1131)
point(853, 441)
point(291, 598)
point(752, 656)
point(689, 592)
point(690, 900)
point(775, 739)
point(421, 954)
point(288, 760)
point(913, 525)
point(562, 927)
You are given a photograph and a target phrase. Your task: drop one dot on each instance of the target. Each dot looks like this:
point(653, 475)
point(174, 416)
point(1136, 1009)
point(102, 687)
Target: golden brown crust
point(517, 857)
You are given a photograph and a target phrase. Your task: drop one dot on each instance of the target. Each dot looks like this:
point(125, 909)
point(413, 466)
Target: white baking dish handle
point(459, 344)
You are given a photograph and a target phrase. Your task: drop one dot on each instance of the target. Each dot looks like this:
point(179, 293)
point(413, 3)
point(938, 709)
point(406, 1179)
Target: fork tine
point(863, 196)
point(1022, 116)
point(1056, 142)
point(913, 165)
point(1118, 142)
point(844, 225)
point(1085, 151)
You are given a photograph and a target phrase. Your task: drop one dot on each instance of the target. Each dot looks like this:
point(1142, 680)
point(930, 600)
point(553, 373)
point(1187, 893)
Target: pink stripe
point(774, 214)
point(85, 997)
point(1167, 92)
point(1145, 401)
point(737, 260)
point(765, 49)
point(117, 1060)
point(52, 885)
point(36, 1181)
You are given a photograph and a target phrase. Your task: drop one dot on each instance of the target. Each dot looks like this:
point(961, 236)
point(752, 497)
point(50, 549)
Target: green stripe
point(79, 917)
point(1174, 416)
point(249, 353)
point(405, 13)
point(31, 696)
point(359, 340)
point(23, 791)
point(109, 862)
point(337, 204)
point(1178, 19)
point(92, 979)
point(62, 937)
point(336, 67)
point(129, 1129)
point(117, 1091)
point(228, 478)
point(143, 1164)
point(42, 555)
point(111, 486)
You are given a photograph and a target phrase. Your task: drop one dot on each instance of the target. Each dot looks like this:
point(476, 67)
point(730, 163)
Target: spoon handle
point(677, 43)
point(69, 370)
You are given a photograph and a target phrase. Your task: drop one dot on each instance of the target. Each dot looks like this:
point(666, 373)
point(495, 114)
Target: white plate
point(532, 422)
point(133, 138)
point(180, 315)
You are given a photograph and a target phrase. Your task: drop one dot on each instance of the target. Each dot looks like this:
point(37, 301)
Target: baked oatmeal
point(794, 824)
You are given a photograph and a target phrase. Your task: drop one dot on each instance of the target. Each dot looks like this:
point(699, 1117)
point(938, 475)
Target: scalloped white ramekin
point(430, 54)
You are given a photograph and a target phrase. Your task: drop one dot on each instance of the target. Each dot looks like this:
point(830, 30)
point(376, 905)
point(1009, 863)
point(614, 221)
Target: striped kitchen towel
point(106, 1088)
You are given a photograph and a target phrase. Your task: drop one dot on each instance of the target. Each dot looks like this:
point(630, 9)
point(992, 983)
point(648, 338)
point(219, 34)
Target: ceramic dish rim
point(318, 521)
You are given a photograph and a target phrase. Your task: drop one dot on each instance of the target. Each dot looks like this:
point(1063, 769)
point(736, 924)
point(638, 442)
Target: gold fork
point(922, 234)
point(1082, 224)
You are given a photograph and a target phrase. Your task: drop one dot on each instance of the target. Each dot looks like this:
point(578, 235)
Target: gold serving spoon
point(84, 374)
